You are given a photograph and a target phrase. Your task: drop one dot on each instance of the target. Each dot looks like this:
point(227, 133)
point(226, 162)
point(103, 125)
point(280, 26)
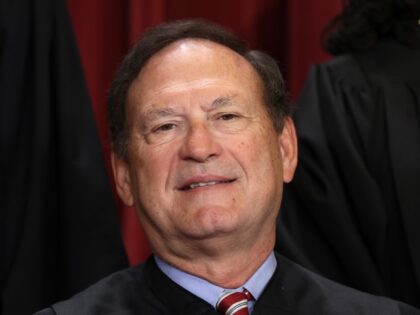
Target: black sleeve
point(47, 311)
point(406, 309)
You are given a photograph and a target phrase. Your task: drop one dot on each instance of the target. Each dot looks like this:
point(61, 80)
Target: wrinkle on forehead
point(180, 86)
point(155, 112)
point(192, 65)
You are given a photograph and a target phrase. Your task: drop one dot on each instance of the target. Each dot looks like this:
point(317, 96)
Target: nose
point(200, 144)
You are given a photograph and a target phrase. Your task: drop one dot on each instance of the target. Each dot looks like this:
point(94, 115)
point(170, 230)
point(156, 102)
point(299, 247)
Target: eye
point(227, 116)
point(165, 127)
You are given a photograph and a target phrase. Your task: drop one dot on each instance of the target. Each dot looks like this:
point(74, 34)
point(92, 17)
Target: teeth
point(203, 184)
point(195, 185)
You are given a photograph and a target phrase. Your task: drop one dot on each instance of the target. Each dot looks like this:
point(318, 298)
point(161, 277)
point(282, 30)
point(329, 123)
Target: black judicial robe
point(292, 290)
point(352, 212)
point(59, 230)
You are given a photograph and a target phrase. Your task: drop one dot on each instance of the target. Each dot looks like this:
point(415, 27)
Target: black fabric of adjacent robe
point(58, 221)
point(352, 212)
point(292, 290)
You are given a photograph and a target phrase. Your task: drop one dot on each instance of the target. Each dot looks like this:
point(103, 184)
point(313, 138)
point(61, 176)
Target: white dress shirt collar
point(210, 292)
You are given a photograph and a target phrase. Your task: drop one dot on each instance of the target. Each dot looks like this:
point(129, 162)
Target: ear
point(289, 149)
point(121, 171)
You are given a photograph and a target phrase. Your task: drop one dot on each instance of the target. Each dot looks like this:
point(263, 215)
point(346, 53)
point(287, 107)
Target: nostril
point(210, 157)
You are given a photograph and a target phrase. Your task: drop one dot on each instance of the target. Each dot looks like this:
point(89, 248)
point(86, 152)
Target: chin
point(209, 223)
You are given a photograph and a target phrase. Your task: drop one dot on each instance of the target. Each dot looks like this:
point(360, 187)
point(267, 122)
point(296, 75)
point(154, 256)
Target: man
point(202, 142)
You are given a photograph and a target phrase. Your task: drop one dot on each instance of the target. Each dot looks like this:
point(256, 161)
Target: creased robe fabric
point(352, 212)
point(58, 220)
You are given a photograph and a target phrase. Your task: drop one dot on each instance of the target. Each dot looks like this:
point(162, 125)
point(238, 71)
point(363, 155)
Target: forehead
point(191, 64)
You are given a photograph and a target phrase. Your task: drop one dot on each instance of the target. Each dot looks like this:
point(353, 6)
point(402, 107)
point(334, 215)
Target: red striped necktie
point(234, 303)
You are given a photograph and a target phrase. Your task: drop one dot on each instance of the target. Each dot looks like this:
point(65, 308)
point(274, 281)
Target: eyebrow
point(159, 112)
point(222, 101)
point(156, 113)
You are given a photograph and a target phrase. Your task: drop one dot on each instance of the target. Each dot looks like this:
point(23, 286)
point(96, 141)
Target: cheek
point(262, 156)
point(149, 166)
point(257, 146)
point(246, 153)
point(153, 172)
point(150, 187)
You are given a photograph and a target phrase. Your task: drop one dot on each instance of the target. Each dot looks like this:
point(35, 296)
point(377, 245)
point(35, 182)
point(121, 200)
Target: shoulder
point(334, 83)
point(387, 60)
point(115, 294)
point(307, 291)
point(390, 59)
point(343, 72)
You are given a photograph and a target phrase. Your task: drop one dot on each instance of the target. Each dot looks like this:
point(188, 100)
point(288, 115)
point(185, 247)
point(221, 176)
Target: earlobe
point(122, 179)
point(289, 149)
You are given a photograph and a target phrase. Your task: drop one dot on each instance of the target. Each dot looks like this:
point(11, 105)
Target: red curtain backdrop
point(289, 30)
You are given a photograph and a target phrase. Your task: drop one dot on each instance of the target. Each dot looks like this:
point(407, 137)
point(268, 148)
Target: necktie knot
point(234, 303)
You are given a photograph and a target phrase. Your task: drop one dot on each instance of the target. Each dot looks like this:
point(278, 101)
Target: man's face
point(204, 160)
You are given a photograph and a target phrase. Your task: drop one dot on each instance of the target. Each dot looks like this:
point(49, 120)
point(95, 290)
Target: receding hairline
point(172, 47)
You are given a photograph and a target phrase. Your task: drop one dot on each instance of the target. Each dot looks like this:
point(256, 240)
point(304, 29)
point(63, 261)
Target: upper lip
point(207, 179)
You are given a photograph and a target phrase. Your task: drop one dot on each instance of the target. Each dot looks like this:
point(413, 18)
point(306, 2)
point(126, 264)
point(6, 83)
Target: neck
point(221, 262)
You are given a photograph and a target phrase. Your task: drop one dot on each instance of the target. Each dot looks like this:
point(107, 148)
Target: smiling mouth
point(204, 184)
